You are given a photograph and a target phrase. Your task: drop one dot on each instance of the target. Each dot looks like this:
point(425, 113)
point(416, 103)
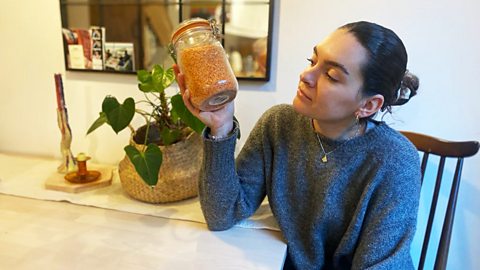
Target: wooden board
point(57, 181)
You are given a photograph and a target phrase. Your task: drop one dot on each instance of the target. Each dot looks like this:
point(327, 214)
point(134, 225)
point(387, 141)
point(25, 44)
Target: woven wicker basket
point(178, 176)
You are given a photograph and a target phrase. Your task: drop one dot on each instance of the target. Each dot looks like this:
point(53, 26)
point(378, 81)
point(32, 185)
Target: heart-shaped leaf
point(168, 77)
point(146, 87)
point(102, 119)
point(179, 107)
point(118, 115)
point(147, 163)
point(157, 74)
point(143, 76)
point(159, 79)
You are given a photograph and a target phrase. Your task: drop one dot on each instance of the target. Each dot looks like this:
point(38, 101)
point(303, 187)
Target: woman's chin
point(298, 105)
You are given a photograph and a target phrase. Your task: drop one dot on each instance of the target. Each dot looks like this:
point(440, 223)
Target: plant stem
point(147, 130)
point(164, 110)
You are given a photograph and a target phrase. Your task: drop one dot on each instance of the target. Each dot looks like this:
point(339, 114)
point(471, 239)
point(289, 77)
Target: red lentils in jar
point(202, 60)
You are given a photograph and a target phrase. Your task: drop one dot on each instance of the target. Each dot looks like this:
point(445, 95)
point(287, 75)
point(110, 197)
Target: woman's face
point(329, 88)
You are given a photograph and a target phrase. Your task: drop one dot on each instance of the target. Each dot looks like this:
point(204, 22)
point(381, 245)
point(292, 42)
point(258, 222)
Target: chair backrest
point(444, 149)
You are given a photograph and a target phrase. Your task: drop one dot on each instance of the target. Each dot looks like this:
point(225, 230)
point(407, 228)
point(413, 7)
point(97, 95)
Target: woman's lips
point(301, 94)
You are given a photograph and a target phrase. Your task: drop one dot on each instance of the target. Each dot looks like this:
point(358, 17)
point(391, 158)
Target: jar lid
point(189, 24)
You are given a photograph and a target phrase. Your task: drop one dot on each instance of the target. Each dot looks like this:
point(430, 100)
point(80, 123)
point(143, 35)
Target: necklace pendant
point(324, 159)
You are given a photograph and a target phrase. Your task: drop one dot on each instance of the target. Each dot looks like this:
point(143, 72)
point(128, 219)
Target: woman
point(343, 187)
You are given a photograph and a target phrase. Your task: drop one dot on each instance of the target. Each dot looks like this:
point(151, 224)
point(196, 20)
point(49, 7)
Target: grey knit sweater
point(356, 211)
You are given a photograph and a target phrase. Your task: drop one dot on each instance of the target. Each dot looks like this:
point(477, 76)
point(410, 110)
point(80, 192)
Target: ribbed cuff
point(233, 133)
point(219, 155)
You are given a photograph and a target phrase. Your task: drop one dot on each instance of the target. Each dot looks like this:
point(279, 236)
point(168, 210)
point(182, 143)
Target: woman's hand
point(220, 121)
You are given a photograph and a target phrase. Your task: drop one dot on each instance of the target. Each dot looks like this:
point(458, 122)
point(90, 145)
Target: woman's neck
point(339, 131)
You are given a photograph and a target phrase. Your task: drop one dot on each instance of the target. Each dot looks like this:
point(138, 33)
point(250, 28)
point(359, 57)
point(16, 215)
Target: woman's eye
point(330, 78)
point(312, 63)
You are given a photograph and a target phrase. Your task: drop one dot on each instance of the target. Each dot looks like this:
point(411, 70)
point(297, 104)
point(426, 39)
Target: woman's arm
point(391, 217)
point(225, 196)
point(229, 191)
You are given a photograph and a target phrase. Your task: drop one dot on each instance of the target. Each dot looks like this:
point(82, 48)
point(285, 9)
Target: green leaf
point(157, 74)
point(179, 107)
point(146, 87)
point(174, 116)
point(118, 115)
point(157, 78)
point(156, 69)
point(170, 136)
point(102, 119)
point(143, 76)
point(147, 164)
point(160, 79)
point(168, 77)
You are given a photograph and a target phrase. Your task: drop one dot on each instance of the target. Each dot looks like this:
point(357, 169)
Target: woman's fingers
point(180, 78)
point(176, 70)
point(188, 104)
point(183, 91)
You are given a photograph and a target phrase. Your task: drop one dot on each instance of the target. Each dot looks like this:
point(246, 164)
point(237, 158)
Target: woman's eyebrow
point(337, 65)
point(332, 63)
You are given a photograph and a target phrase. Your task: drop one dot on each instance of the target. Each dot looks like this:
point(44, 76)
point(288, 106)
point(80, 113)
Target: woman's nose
point(308, 77)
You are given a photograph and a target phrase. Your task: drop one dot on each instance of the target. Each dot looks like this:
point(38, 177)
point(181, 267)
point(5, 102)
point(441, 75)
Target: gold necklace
point(324, 158)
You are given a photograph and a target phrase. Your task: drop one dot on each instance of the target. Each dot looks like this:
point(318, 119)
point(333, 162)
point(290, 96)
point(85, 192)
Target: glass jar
point(203, 61)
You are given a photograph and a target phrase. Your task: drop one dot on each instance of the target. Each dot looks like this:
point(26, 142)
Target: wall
point(441, 37)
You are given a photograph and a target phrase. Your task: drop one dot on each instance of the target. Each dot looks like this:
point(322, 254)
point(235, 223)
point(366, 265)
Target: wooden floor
point(37, 234)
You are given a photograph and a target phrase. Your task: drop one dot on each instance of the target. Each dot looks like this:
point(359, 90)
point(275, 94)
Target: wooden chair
point(444, 149)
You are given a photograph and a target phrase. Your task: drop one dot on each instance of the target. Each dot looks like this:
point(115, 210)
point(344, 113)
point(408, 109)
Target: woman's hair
point(385, 71)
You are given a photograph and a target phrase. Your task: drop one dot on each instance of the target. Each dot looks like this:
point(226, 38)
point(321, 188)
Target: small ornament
point(324, 159)
point(82, 175)
point(68, 161)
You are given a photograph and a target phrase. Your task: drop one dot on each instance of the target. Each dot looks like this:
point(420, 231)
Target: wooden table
point(37, 234)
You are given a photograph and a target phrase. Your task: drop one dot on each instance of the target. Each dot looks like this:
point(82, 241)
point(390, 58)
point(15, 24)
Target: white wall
point(441, 36)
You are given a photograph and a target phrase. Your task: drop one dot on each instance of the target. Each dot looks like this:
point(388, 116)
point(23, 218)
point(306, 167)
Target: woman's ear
point(370, 106)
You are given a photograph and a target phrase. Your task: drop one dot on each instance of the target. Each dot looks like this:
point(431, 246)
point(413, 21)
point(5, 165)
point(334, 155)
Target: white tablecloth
point(26, 176)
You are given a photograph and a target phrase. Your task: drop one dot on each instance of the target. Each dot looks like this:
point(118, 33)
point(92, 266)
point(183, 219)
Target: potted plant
point(163, 157)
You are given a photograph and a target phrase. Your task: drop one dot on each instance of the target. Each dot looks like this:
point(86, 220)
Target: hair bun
point(408, 88)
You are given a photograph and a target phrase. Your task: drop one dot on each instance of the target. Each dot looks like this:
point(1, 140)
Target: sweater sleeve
point(227, 195)
point(391, 215)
